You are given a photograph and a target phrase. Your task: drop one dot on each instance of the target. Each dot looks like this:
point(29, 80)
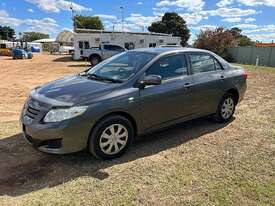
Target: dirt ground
point(195, 163)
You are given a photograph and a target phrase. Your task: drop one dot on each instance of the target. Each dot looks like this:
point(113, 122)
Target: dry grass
point(196, 163)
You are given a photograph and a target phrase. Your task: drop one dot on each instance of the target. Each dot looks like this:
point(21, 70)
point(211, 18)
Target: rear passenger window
point(168, 67)
point(202, 63)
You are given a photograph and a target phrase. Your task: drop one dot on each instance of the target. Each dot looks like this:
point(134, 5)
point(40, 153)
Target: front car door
point(207, 82)
point(172, 99)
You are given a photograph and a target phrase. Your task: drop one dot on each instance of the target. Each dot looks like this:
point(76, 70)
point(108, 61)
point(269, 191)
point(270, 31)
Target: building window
point(129, 45)
point(152, 45)
point(80, 44)
point(86, 45)
point(161, 41)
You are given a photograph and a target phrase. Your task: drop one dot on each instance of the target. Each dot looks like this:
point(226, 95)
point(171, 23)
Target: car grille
point(32, 112)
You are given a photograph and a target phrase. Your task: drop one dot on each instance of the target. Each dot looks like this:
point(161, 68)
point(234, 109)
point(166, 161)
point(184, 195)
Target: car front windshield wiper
point(101, 78)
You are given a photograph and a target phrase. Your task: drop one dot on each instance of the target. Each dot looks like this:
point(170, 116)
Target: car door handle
point(187, 85)
point(222, 78)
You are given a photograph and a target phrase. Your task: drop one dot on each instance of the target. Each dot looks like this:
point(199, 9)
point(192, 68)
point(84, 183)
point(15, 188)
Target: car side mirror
point(150, 80)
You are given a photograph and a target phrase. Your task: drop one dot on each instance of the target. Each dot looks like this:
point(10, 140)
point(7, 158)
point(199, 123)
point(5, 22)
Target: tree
point(245, 41)
point(236, 32)
point(172, 23)
point(218, 41)
point(88, 22)
point(6, 33)
point(242, 40)
point(32, 36)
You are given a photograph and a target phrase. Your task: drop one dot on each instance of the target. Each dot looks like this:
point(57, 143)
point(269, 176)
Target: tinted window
point(113, 48)
point(80, 44)
point(202, 63)
point(86, 45)
point(168, 67)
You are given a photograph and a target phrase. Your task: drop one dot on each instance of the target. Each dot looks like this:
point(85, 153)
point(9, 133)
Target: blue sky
point(254, 17)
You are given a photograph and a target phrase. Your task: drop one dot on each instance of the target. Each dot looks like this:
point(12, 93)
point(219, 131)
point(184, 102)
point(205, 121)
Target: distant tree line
point(6, 33)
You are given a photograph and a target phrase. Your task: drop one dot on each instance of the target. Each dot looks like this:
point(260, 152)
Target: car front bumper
point(56, 138)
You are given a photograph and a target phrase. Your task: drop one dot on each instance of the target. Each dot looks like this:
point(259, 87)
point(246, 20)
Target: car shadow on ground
point(63, 59)
point(24, 169)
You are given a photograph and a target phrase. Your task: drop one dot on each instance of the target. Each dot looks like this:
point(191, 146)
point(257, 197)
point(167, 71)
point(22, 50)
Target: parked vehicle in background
point(56, 48)
point(18, 53)
point(105, 51)
point(133, 93)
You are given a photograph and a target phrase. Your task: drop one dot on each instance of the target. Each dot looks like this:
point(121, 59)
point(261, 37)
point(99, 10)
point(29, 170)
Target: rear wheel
point(111, 137)
point(226, 108)
point(94, 60)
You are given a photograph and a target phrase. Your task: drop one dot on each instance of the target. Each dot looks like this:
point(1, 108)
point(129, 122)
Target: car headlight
point(57, 115)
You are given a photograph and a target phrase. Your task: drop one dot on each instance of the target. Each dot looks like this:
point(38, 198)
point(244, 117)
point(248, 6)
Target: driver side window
point(169, 67)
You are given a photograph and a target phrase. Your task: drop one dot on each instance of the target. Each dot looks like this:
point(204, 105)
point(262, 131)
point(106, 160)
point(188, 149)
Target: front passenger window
point(168, 67)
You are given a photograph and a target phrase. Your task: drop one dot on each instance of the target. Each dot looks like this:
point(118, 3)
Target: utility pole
point(122, 18)
point(72, 14)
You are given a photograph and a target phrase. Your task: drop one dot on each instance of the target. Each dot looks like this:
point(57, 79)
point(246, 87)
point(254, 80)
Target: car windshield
point(121, 67)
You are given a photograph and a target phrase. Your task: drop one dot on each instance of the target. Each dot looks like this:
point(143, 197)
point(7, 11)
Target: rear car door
point(172, 99)
point(207, 76)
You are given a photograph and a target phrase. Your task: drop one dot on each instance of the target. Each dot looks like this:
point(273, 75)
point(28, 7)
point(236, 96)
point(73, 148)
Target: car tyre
point(111, 137)
point(226, 108)
point(94, 60)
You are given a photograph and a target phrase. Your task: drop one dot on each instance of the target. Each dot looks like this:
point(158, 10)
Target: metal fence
point(262, 56)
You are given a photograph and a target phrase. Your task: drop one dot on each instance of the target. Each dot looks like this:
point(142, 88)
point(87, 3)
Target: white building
point(87, 38)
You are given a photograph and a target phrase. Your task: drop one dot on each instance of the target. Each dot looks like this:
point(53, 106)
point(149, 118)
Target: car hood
point(72, 90)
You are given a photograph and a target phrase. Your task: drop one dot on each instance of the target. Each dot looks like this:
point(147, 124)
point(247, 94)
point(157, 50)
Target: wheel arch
point(235, 93)
point(95, 55)
point(117, 113)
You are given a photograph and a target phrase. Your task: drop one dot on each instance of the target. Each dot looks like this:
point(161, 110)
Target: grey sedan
point(136, 92)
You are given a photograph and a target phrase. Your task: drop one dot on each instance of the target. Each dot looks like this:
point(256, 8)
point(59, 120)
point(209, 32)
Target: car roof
point(161, 50)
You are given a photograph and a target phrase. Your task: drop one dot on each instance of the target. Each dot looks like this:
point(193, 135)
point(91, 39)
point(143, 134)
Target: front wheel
point(226, 108)
point(111, 137)
point(94, 60)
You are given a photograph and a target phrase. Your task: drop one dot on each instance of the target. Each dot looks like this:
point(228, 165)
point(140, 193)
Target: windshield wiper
point(100, 78)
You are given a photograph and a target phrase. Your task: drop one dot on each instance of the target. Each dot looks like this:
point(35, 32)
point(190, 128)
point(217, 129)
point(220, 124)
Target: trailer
point(84, 39)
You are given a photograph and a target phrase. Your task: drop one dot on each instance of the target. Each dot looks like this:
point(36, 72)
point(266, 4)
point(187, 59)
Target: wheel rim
point(227, 108)
point(113, 139)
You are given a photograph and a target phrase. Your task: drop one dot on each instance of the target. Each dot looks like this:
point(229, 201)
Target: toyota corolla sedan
point(136, 92)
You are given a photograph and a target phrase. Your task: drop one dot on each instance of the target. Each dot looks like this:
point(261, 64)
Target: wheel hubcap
point(227, 108)
point(113, 139)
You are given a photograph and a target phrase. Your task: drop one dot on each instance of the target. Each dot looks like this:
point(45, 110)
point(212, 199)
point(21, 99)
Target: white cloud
point(232, 20)
point(246, 26)
point(47, 25)
point(258, 2)
point(189, 4)
point(224, 3)
point(203, 27)
point(262, 37)
point(248, 20)
point(229, 12)
point(261, 29)
point(57, 5)
point(3, 13)
point(140, 3)
point(30, 10)
point(191, 18)
point(106, 16)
